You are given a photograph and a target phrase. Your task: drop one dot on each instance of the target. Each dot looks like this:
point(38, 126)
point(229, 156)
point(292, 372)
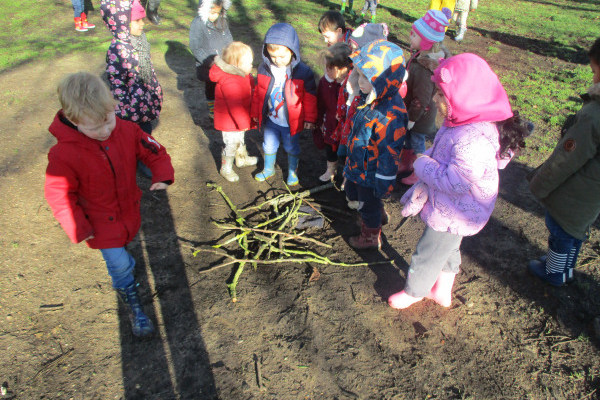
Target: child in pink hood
point(458, 175)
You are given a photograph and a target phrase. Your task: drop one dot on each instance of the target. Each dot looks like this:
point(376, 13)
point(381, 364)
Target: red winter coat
point(327, 100)
point(91, 185)
point(233, 96)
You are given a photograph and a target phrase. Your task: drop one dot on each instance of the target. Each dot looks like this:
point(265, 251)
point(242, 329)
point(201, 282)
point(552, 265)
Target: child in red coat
point(233, 96)
point(337, 66)
point(91, 179)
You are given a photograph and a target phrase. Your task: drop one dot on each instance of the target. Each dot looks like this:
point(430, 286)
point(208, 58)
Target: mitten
point(414, 199)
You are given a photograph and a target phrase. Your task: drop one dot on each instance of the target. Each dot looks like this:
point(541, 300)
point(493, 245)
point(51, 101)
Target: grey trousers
point(435, 252)
point(370, 5)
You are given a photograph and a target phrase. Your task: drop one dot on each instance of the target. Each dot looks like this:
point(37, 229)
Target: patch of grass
point(493, 50)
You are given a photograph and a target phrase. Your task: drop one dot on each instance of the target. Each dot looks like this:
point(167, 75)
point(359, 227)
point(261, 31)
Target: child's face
point(246, 63)
point(441, 102)
point(336, 73)
point(415, 40)
point(281, 56)
point(332, 37)
point(596, 70)
point(136, 27)
point(214, 13)
point(98, 130)
point(363, 82)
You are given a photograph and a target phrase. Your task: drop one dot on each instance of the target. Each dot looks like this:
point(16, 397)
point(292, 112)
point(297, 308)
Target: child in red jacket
point(337, 66)
point(91, 179)
point(284, 102)
point(233, 95)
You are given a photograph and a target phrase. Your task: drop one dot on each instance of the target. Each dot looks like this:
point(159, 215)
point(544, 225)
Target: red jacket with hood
point(91, 185)
point(300, 91)
point(233, 95)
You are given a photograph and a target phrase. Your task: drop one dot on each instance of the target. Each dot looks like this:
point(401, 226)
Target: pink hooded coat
point(459, 174)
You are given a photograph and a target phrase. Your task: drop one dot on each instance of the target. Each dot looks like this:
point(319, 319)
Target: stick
point(258, 373)
point(289, 235)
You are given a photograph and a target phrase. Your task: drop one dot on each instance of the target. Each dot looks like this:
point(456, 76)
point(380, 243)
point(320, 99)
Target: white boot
point(227, 169)
point(330, 173)
point(461, 34)
point(242, 159)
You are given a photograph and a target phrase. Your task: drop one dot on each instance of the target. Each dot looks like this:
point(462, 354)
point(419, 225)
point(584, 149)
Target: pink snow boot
point(441, 292)
point(402, 300)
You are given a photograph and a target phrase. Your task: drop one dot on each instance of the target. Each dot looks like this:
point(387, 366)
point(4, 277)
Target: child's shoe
point(269, 169)
point(369, 238)
point(242, 159)
point(548, 269)
point(441, 292)
point(78, 25)
point(141, 325)
point(402, 300)
point(85, 23)
point(211, 108)
point(152, 15)
point(343, 7)
point(354, 204)
point(292, 178)
point(227, 169)
point(330, 173)
point(461, 34)
point(373, 19)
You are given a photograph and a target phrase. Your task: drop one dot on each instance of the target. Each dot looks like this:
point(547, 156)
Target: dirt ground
point(65, 336)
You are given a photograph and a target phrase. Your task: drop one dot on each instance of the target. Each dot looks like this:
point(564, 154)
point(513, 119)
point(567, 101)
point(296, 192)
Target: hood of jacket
point(226, 69)
point(383, 63)
point(594, 91)
point(206, 5)
point(431, 60)
point(473, 91)
point(67, 134)
point(116, 14)
point(285, 35)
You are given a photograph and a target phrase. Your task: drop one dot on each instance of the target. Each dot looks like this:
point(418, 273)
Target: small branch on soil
point(52, 362)
point(587, 396)
point(51, 307)
point(258, 373)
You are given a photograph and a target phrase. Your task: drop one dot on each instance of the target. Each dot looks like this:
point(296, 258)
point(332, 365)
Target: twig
point(289, 235)
point(258, 373)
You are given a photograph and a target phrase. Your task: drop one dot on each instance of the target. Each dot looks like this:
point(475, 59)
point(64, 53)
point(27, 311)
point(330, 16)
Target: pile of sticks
point(266, 234)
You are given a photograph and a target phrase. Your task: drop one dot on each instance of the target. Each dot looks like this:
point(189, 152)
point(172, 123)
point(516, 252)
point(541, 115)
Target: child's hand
point(309, 125)
point(414, 199)
point(159, 186)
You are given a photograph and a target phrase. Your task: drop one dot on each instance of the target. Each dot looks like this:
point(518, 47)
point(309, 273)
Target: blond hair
point(274, 47)
point(83, 94)
point(234, 52)
point(338, 55)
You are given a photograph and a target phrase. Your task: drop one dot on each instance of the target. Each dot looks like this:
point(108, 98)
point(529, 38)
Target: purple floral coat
point(138, 101)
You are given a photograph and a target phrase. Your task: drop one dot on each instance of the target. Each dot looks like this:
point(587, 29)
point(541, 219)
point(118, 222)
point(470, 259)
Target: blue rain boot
point(292, 178)
point(269, 169)
point(552, 270)
point(141, 325)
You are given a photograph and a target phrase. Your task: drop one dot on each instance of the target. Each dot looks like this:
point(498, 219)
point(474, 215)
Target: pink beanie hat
point(137, 11)
point(432, 27)
point(473, 90)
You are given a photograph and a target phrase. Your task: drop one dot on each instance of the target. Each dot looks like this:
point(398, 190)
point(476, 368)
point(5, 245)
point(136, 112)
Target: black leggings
point(330, 153)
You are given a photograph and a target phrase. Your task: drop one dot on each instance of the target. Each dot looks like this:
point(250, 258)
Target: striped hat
point(432, 27)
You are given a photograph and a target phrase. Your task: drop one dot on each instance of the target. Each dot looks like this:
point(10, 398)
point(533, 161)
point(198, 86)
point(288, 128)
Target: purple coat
point(460, 172)
point(139, 101)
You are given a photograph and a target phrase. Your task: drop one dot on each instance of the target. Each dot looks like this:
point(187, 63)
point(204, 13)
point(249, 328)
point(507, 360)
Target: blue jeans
point(274, 134)
point(416, 142)
point(120, 266)
point(77, 7)
point(561, 242)
point(370, 212)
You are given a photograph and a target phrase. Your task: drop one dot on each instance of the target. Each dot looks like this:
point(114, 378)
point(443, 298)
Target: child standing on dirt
point(461, 13)
point(377, 137)
point(233, 96)
point(284, 102)
point(80, 17)
point(426, 46)
point(337, 66)
point(129, 69)
point(568, 185)
point(209, 35)
point(458, 175)
point(370, 5)
point(332, 27)
point(91, 180)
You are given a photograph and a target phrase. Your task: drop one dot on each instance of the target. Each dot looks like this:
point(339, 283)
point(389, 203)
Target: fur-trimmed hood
point(431, 60)
point(228, 68)
point(205, 6)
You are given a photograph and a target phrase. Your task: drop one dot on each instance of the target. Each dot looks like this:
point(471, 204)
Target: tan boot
point(330, 173)
point(227, 169)
point(242, 159)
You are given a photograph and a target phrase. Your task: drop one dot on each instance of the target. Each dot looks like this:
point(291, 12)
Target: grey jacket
point(568, 183)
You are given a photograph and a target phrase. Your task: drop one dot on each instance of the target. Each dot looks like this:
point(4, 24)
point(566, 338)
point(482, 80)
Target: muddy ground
point(64, 335)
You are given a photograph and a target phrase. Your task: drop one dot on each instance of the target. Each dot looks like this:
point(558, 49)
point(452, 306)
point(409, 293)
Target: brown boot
point(369, 238)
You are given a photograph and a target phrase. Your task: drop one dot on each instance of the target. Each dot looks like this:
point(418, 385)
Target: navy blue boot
point(552, 269)
point(141, 325)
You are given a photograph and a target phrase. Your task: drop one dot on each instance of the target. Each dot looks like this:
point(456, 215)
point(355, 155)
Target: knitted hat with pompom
point(432, 27)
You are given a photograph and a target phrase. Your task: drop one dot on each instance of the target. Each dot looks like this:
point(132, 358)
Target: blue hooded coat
point(379, 126)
